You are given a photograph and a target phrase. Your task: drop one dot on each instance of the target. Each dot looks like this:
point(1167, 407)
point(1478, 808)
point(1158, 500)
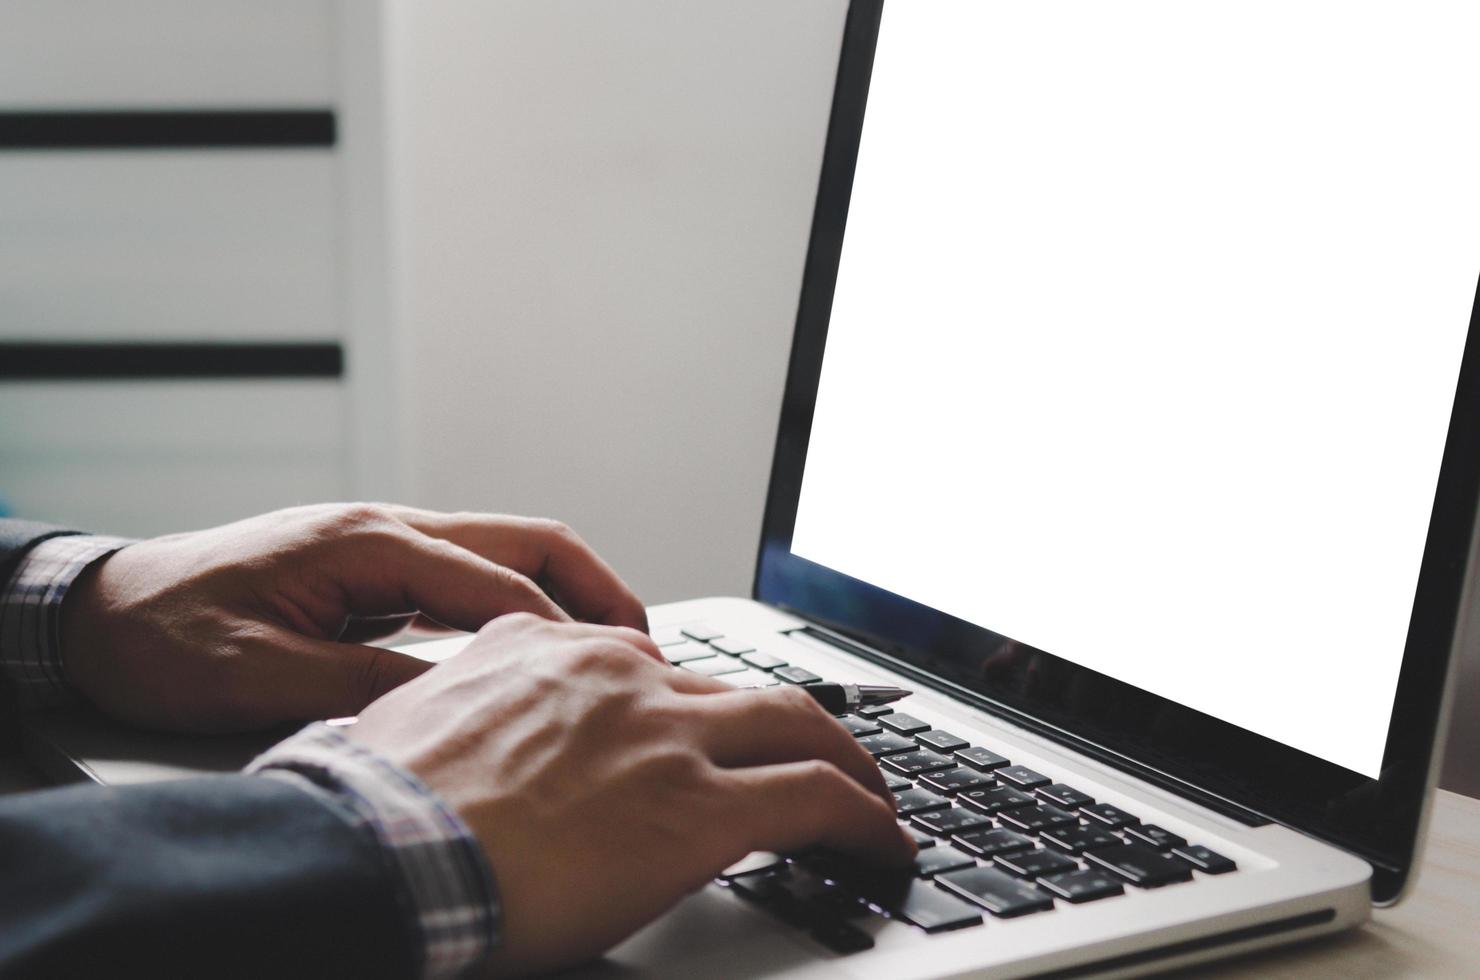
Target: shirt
point(442, 880)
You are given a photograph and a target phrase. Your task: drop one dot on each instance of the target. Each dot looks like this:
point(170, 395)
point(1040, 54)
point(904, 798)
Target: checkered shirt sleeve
point(447, 888)
point(30, 616)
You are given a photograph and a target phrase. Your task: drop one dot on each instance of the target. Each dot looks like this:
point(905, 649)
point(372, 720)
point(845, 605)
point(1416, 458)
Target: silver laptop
point(1130, 422)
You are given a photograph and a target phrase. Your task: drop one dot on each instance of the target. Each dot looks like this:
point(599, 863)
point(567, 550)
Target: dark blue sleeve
point(229, 876)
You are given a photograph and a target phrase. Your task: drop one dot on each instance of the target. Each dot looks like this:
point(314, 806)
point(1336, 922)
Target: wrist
point(80, 628)
point(441, 878)
point(31, 606)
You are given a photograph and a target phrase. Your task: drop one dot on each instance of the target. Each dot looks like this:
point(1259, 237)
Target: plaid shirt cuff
point(30, 616)
point(446, 886)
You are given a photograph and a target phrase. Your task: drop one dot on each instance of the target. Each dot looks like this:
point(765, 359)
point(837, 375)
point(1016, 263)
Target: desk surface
point(1431, 934)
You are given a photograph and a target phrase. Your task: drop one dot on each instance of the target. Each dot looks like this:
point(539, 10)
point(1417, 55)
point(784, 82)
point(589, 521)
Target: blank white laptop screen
point(1146, 336)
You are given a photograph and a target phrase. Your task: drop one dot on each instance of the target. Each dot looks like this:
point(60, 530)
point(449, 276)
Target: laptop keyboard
point(996, 839)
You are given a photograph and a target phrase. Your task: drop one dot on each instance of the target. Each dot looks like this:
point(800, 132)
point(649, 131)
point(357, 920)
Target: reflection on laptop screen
point(1146, 336)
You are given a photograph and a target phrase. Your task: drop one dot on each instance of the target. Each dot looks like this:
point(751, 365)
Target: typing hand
point(604, 787)
point(251, 624)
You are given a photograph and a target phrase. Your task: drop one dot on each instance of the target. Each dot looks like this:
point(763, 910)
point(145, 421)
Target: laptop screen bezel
point(1243, 774)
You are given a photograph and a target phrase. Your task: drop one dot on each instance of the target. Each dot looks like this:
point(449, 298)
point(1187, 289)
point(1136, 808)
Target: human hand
point(603, 787)
point(248, 625)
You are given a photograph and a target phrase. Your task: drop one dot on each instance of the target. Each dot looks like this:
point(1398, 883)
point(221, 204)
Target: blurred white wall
point(602, 213)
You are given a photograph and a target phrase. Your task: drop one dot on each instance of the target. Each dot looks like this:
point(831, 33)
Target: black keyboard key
point(941, 859)
point(902, 723)
point(989, 843)
point(875, 710)
point(894, 783)
point(922, 840)
point(952, 821)
point(899, 894)
point(1036, 819)
point(841, 936)
point(771, 892)
point(1062, 795)
point(1153, 836)
point(686, 651)
point(996, 891)
point(912, 800)
point(1140, 865)
point(914, 763)
point(1022, 777)
point(753, 863)
point(923, 905)
point(1107, 816)
point(797, 675)
point(859, 727)
point(794, 896)
point(1205, 860)
point(701, 632)
point(1036, 863)
point(983, 759)
point(1077, 840)
point(940, 741)
point(804, 901)
point(1081, 886)
point(885, 743)
point(762, 661)
point(714, 666)
point(995, 800)
point(957, 779)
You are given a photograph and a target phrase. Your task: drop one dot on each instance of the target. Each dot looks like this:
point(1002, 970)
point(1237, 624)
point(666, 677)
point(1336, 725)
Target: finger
point(397, 570)
point(546, 551)
point(688, 682)
point(642, 641)
point(783, 724)
point(332, 679)
point(786, 808)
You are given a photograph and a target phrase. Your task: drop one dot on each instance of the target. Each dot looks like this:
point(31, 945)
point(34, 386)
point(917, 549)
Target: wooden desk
point(1434, 933)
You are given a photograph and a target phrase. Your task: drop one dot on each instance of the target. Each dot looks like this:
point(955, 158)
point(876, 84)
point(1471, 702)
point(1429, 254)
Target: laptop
point(1131, 423)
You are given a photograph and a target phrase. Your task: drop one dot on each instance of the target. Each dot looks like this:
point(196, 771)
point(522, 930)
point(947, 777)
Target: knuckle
point(513, 581)
point(679, 768)
point(605, 655)
point(360, 514)
point(635, 638)
point(629, 635)
point(365, 523)
point(552, 528)
point(826, 776)
point(800, 702)
point(511, 623)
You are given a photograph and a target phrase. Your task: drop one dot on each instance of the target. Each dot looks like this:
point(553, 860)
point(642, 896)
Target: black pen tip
point(880, 693)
